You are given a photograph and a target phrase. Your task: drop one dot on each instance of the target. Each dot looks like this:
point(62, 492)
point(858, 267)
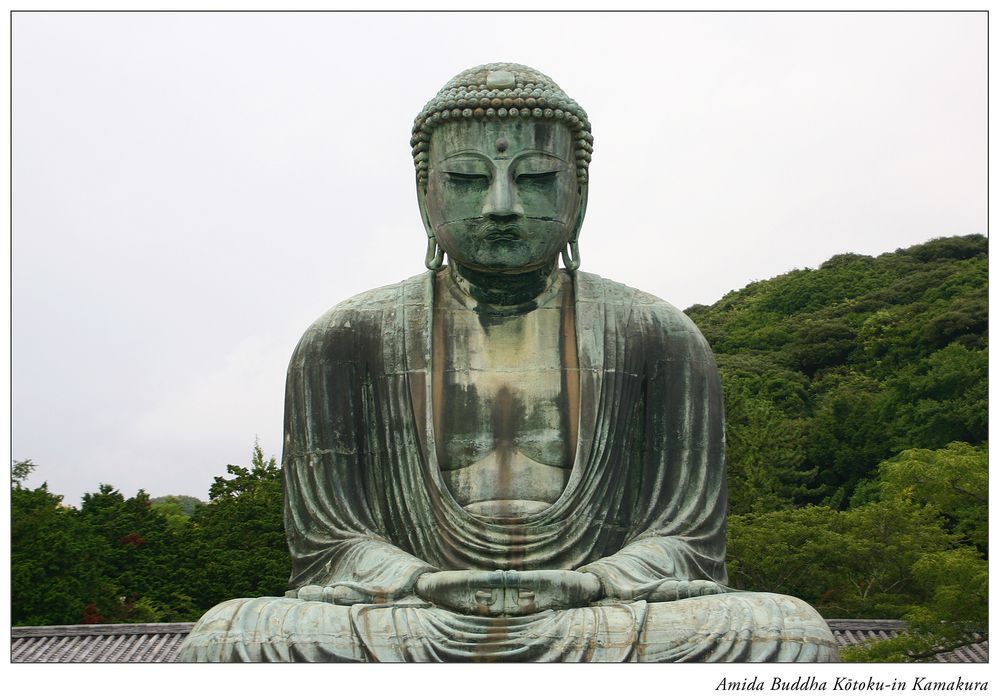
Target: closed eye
point(536, 177)
point(460, 177)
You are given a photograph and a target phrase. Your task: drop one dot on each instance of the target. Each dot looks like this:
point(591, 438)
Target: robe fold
point(367, 507)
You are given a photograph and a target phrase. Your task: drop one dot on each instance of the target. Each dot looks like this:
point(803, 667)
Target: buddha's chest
point(505, 408)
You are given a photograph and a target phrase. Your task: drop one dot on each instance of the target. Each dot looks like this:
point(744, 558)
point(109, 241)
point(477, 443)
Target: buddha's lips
point(501, 234)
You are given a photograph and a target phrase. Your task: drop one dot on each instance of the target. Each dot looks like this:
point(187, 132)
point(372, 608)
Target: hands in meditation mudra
point(502, 460)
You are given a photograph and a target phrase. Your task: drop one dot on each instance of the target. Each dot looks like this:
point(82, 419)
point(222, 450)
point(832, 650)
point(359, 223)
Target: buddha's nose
point(502, 201)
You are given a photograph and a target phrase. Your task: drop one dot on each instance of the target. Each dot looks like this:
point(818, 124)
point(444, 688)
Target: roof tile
point(161, 642)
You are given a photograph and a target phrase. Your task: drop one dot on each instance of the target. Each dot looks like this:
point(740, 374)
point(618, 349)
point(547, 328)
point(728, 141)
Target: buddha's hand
point(671, 590)
point(464, 591)
point(338, 594)
point(508, 592)
point(538, 590)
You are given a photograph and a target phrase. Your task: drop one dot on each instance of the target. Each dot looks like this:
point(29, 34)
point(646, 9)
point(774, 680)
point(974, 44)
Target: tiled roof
point(855, 631)
point(160, 642)
point(157, 642)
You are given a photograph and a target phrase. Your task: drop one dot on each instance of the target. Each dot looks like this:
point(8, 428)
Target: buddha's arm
point(654, 569)
point(360, 571)
point(677, 521)
point(483, 593)
point(333, 521)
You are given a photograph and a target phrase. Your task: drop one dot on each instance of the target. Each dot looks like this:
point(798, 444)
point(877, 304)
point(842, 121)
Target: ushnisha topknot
point(498, 91)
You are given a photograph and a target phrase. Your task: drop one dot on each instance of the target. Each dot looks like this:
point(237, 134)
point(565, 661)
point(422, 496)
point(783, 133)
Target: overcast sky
point(190, 191)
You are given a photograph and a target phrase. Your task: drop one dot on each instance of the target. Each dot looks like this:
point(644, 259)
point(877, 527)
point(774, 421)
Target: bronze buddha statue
point(501, 459)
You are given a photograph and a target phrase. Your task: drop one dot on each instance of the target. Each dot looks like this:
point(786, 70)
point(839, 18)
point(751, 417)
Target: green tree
point(940, 399)
point(143, 555)
point(239, 546)
point(953, 481)
point(883, 541)
point(855, 563)
point(183, 504)
point(953, 615)
point(55, 557)
point(794, 552)
point(176, 509)
point(847, 435)
point(20, 470)
point(765, 451)
point(950, 484)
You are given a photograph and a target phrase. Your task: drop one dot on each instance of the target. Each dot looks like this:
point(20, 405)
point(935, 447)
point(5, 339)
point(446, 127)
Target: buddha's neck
point(503, 289)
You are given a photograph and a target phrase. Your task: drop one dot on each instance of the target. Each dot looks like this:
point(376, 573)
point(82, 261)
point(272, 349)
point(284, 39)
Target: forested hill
point(829, 371)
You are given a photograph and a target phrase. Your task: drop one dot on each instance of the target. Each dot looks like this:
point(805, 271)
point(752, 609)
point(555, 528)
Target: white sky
point(190, 191)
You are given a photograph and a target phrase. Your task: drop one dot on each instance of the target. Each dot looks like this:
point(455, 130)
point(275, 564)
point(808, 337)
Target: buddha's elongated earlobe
point(571, 255)
point(435, 254)
point(434, 258)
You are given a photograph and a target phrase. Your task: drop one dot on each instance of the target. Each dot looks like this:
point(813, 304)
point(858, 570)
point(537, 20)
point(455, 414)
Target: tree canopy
point(856, 398)
point(118, 559)
point(857, 360)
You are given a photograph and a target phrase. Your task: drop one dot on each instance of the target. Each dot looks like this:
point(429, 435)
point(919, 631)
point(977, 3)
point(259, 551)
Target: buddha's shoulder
point(369, 310)
point(642, 309)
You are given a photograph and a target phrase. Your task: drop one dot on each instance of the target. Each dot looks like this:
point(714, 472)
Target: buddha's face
point(502, 196)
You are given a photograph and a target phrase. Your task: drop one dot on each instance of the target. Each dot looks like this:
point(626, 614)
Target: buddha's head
point(502, 157)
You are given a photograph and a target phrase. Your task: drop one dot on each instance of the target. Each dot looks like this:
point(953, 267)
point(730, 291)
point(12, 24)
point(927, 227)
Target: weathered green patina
point(501, 459)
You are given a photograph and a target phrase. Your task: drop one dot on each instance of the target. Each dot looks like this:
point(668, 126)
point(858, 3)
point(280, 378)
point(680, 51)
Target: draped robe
point(367, 507)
